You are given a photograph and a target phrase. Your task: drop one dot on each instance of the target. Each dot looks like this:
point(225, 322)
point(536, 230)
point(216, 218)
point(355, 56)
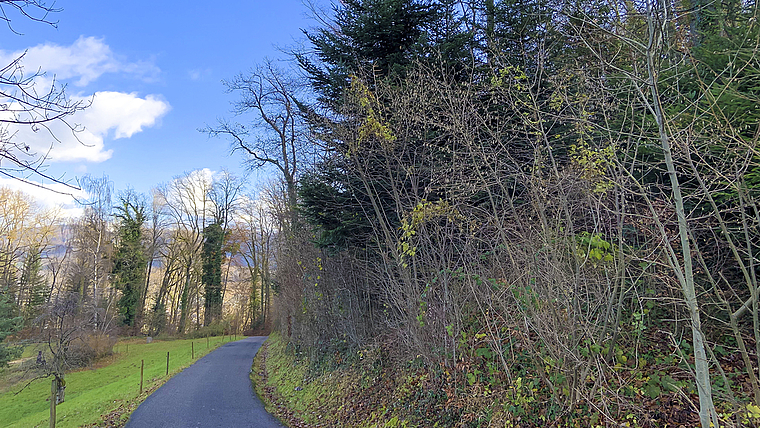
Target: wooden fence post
point(167, 363)
point(53, 399)
point(192, 350)
point(142, 366)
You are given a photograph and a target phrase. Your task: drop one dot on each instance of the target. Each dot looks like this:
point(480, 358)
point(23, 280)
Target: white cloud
point(81, 136)
point(84, 61)
point(55, 195)
point(124, 114)
point(111, 114)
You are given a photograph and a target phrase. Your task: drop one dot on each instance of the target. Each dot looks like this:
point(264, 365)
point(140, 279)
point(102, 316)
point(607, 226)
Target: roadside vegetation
point(363, 389)
point(518, 213)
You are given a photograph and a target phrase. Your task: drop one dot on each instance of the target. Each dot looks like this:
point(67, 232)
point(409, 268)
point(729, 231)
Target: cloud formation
point(83, 62)
point(55, 196)
point(81, 137)
point(111, 114)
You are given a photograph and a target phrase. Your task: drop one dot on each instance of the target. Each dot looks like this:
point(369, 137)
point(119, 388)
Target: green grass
point(31, 350)
point(287, 376)
point(91, 393)
point(344, 395)
point(308, 399)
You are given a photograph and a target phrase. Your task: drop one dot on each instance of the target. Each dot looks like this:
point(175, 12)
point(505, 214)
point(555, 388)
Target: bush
point(89, 348)
point(215, 329)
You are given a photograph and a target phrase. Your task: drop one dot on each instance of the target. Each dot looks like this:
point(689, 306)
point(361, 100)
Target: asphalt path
point(214, 392)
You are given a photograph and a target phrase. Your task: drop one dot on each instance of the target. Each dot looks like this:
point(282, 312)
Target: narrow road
point(214, 392)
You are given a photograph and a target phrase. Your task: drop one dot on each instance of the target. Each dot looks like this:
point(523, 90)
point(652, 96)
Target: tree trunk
point(707, 415)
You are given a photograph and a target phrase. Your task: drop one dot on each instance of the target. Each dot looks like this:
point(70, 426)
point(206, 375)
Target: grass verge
point(283, 383)
point(355, 392)
point(103, 396)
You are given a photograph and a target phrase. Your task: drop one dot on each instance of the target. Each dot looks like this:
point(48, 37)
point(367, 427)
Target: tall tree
point(93, 241)
point(275, 138)
point(186, 201)
point(129, 258)
point(34, 283)
point(10, 322)
point(213, 256)
point(368, 38)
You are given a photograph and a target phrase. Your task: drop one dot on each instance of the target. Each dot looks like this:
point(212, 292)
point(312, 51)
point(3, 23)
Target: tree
point(26, 232)
point(93, 240)
point(25, 106)
point(276, 137)
point(10, 322)
point(224, 197)
point(34, 283)
point(213, 256)
point(129, 257)
point(366, 45)
point(255, 229)
point(368, 38)
point(186, 202)
point(65, 330)
point(156, 243)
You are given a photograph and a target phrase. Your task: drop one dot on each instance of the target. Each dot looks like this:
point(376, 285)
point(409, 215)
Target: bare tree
point(275, 136)
point(186, 201)
point(26, 104)
point(94, 247)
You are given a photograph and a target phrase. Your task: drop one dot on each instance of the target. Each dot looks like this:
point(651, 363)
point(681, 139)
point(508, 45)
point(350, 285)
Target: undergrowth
point(648, 385)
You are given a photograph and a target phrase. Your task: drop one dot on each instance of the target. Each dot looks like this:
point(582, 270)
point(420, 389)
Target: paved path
point(213, 392)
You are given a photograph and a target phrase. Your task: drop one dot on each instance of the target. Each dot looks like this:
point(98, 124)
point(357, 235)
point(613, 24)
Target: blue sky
point(155, 68)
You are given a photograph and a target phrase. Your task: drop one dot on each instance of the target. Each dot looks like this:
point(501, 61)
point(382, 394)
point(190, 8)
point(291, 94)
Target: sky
point(153, 71)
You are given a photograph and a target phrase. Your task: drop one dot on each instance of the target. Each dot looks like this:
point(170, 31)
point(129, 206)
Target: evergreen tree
point(373, 38)
point(213, 256)
point(34, 283)
point(372, 41)
point(10, 323)
point(8, 273)
point(130, 259)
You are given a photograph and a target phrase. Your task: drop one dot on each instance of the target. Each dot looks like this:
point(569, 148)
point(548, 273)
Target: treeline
point(552, 202)
point(196, 254)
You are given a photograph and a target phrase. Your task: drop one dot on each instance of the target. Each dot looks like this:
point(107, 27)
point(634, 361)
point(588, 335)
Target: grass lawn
point(113, 384)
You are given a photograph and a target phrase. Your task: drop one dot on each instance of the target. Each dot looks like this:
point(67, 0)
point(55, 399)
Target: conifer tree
point(10, 323)
point(130, 259)
point(34, 284)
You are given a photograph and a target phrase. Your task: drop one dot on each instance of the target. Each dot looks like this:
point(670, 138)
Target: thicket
point(550, 208)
